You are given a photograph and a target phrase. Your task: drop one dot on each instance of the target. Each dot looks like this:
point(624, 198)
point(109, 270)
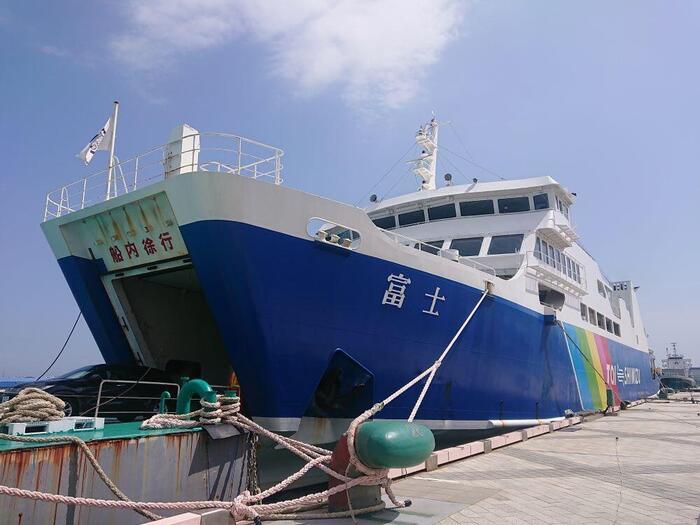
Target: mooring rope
point(247, 506)
point(91, 458)
point(30, 405)
point(438, 363)
point(226, 410)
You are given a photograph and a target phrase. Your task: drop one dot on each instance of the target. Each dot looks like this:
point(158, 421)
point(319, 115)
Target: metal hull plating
point(284, 305)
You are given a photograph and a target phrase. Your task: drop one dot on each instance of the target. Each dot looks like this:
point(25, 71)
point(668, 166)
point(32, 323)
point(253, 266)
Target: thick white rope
point(247, 506)
point(30, 405)
point(438, 363)
point(352, 429)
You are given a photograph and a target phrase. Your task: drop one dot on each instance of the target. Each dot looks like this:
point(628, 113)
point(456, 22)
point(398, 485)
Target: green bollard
point(193, 387)
point(161, 407)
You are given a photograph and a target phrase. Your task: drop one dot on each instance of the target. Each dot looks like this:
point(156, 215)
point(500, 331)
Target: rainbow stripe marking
point(593, 365)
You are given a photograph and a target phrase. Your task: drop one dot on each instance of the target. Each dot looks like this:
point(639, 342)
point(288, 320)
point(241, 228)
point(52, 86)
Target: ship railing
point(452, 255)
point(137, 399)
point(150, 408)
point(468, 261)
point(208, 151)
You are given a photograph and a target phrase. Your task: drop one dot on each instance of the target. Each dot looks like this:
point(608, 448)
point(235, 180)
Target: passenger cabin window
point(591, 316)
point(609, 325)
point(601, 321)
point(601, 289)
point(556, 259)
point(386, 223)
point(467, 247)
point(476, 208)
point(411, 217)
point(584, 312)
point(562, 207)
point(505, 244)
point(513, 205)
point(541, 201)
point(446, 211)
point(616, 329)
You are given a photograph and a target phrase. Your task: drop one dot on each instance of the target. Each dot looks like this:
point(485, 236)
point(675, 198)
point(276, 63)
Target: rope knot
point(239, 508)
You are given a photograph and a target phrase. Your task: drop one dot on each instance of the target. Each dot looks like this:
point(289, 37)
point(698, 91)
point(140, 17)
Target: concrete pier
point(634, 467)
point(639, 466)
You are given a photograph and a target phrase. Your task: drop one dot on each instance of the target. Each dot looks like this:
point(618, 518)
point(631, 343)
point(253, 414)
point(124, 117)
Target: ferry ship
point(194, 257)
point(675, 373)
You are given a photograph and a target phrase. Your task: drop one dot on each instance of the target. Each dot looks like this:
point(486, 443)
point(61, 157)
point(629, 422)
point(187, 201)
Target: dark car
point(125, 392)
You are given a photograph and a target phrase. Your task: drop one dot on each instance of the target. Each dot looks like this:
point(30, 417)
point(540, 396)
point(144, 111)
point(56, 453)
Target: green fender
point(393, 444)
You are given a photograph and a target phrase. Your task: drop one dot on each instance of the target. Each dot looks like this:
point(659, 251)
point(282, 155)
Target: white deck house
point(517, 230)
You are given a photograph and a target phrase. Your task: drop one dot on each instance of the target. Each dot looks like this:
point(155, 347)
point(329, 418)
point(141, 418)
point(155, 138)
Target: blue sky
point(600, 95)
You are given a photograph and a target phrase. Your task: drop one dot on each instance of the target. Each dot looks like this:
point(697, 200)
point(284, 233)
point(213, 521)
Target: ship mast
point(425, 165)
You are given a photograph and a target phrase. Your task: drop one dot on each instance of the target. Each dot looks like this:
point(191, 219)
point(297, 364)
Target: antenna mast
point(425, 165)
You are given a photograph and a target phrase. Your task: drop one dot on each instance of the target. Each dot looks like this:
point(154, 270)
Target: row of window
point(471, 246)
point(561, 206)
point(598, 319)
point(550, 255)
point(466, 209)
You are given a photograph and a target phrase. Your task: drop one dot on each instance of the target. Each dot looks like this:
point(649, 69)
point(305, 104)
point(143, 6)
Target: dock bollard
point(194, 387)
point(379, 445)
point(162, 409)
point(360, 496)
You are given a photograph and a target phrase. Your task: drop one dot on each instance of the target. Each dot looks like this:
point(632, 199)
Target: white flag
point(100, 142)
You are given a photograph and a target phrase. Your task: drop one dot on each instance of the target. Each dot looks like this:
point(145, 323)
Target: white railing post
point(136, 172)
point(99, 396)
point(64, 197)
point(278, 179)
point(240, 154)
point(260, 166)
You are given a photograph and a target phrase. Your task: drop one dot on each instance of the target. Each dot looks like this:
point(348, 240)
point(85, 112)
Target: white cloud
point(53, 51)
point(373, 51)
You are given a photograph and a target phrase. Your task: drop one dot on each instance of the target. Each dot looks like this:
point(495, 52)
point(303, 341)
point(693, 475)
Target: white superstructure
point(520, 231)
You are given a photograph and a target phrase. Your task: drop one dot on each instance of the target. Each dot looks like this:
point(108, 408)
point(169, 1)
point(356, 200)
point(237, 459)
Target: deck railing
point(122, 396)
point(208, 151)
point(441, 252)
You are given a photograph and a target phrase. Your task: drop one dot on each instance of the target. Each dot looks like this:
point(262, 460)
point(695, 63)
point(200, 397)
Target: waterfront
point(639, 467)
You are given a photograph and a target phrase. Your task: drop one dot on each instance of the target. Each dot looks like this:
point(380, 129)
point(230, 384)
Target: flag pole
point(110, 165)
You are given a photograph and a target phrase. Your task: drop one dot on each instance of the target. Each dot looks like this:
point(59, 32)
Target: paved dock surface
point(640, 467)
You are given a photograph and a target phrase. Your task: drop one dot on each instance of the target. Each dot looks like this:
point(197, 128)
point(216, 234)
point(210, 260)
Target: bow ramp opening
point(152, 286)
point(168, 322)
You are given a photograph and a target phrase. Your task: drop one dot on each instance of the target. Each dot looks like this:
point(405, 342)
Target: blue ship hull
point(301, 321)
